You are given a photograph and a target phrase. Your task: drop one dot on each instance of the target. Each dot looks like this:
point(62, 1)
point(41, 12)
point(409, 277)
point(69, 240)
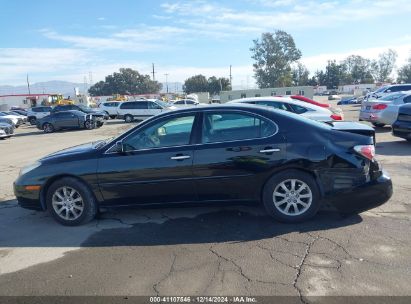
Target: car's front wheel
point(128, 118)
point(89, 124)
point(291, 196)
point(32, 120)
point(48, 128)
point(70, 202)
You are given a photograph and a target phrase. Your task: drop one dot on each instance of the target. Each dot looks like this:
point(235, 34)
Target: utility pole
point(231, 79)
point(28, 83)
point(166, 74)
point(153, 73)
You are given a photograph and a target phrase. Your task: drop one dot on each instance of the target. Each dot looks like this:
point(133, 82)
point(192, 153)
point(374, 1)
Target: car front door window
point(167, 133)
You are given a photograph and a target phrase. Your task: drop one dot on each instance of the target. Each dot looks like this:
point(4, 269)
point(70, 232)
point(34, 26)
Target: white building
point(306, 91)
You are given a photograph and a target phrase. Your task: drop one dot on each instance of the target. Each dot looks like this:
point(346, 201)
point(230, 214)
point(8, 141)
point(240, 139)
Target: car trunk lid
point(353, 127)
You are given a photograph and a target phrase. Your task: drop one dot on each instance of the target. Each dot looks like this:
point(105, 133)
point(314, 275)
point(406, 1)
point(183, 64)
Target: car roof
point(288, 100)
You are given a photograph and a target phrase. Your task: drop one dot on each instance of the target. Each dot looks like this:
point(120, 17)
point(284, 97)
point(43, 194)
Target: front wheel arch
point(51, 180)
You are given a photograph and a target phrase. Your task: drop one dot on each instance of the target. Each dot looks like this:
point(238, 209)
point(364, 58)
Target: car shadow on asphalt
point(220, 226)
point(159, 226)
point(394, 148)
point(386, 129)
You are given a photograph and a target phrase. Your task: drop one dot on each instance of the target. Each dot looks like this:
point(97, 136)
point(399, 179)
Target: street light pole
point(166, 81)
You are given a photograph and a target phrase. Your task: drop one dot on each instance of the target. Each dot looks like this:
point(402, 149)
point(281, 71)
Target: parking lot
point(202, 251)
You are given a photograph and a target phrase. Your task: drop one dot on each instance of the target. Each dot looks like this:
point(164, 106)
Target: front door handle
point(269, 150)
point(180, 157)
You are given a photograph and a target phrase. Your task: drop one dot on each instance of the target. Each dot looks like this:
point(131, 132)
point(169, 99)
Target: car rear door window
point(170, 132)
point(298, 109)
point(154, 106)
point(274, 104)
point(224, 127)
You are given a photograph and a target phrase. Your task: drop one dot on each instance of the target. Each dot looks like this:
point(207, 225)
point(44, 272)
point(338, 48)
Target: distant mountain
point(61, 87)
point(67, 88)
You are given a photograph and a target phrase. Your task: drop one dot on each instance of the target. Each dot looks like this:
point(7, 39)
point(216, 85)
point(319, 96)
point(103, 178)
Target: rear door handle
point(180, 157)
point(269, 150)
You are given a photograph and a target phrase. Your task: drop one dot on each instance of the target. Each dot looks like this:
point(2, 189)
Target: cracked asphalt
point(210, 250)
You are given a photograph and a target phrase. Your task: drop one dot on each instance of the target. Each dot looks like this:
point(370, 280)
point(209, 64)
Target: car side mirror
point(120, 146)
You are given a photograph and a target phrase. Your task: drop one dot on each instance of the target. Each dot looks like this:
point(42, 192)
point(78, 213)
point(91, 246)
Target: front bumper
point(363, 197)
point(27, 199)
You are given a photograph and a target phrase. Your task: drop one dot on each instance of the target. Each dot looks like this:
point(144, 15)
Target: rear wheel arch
point(293, 168)
point(307, 179)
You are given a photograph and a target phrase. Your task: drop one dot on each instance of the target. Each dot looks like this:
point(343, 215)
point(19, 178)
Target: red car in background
point(303, 98)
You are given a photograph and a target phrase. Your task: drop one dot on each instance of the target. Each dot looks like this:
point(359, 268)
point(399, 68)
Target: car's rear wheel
point(89, 124)
point(128, 118)
point(48, 128)
point(32, 120)
point(291, 196)
point(70, 202)
point(378, 125)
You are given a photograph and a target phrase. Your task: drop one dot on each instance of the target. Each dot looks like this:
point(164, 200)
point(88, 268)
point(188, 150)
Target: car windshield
point(162, 103)
point(84, 108)
point(380, 89)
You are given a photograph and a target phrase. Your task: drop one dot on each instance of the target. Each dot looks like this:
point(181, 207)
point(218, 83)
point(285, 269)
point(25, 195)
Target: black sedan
point(81, 108)
point(402, 126)
point(227, 153)
point(69, 120)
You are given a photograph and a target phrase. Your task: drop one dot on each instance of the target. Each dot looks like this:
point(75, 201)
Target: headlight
point(30, 167)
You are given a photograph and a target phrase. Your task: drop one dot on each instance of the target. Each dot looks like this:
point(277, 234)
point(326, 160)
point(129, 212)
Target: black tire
point(128, 118)
point(32, 120)
point(89, 124)
point(113, 116)
point(378, 125)
point(90, 206)
point(99, 124)
point(286, 176)
point(48, 128)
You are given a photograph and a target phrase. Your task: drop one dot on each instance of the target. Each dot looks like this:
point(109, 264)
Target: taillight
point(379, 106)
point(368, 151)
point(336, 117)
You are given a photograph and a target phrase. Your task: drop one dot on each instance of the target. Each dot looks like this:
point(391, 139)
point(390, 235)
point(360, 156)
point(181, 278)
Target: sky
point(68, 39)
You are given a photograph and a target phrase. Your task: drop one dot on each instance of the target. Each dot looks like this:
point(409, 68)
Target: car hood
point(72, 151)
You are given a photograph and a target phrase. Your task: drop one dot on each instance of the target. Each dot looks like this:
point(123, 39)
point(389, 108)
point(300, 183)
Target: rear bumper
point(364, 197)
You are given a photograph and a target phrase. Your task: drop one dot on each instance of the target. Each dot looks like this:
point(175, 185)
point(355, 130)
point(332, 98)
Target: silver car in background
point(383, 111)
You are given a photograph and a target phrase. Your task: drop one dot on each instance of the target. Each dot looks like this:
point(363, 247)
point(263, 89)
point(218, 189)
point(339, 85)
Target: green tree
point(382, 68)
point(273, 56)
point(357, 70)
point(404, 73)
point(300, 75)
point(127, 81)
point(216, 85)
point(334, 74)
point(197, 83)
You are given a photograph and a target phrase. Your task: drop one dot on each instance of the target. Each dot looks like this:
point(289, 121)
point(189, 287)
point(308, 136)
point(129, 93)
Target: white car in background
point(142, 109)
point(37, 113)
point(17, 121)
point(385, 90)
point(110, 107)
point(384, 110)
point(185, 103)
point(299, 107)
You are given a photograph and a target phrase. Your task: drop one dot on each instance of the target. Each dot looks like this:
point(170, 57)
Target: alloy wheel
point(292, 197)
point(67, 203)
